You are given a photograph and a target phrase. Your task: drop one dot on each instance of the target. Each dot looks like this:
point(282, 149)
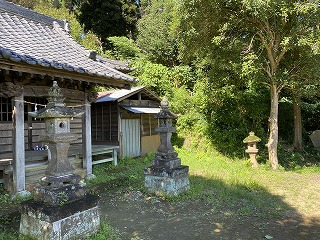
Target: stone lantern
point(61, 208)
point(252, 149)
point(166, 175)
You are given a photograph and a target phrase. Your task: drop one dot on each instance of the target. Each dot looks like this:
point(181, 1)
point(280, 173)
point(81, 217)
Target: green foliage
point(106, 232)
point(154, 76)
point(123, 48)
point(244, 44)
point(125, 174)
point(26, 3)
point(231, 108)
point(108, 18)
point(156, 38)
point(89, 40)
point(303, 161)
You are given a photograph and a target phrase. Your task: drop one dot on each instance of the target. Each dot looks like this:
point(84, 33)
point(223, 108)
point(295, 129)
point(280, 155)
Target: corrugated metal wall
point(130, 137)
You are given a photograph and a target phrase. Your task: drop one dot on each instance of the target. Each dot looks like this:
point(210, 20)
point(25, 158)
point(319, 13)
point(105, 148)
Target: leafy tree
point(261, 33)
point(108, 18)
point(154, 76)
point(123, 48)
point(26, 3)
point(156, 37)
point(89, 40)
point(304, 73)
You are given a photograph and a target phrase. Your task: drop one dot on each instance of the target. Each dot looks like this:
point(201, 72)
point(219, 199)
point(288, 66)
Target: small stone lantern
point(252, 149)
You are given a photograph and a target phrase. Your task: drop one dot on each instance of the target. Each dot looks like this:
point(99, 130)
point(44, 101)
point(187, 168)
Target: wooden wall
point(149, 144)
point(148, 124)
point(104, 121)
point(35, 128)
point(5, 137)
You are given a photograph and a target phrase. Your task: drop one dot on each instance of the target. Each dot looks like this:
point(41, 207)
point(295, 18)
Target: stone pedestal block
point(74, 220)
point(170, 182)
point(59, 190)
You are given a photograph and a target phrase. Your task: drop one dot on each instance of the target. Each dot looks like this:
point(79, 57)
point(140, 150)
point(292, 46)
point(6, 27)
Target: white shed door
point(130, 129)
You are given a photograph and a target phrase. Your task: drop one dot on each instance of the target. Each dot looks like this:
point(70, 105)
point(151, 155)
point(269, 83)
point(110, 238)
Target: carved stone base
point(167, 163)
point(75, 220)
point(60, 190)
point(170, 182)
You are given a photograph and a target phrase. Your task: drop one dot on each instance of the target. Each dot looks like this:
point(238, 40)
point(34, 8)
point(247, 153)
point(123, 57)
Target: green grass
point(106, 232)
point(225, 184)
point(228, 186)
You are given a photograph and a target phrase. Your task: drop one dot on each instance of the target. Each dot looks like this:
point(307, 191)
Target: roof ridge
point(77, 46)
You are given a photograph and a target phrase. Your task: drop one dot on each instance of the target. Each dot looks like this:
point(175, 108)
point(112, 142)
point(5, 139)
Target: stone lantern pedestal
point(61, 208)
point(252, 149)
point(166, 175)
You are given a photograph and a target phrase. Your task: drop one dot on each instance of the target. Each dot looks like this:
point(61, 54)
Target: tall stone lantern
point(61, 208)
point(252, 149)
point(166, 175)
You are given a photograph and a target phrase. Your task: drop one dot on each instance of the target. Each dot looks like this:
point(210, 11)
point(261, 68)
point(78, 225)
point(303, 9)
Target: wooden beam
point(42, 91)
point(18, 145)
point(86, 137)
point(61, 73)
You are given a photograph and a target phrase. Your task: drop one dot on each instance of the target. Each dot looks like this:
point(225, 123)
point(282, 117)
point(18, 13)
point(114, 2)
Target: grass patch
point(128, 173)
point(106, 232)
point(229, 186)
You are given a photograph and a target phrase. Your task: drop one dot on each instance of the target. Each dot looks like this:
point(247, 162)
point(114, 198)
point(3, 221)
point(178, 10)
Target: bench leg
point(115, 157)
point(8, 181)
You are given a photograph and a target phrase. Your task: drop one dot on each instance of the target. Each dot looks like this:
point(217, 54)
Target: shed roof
point(119, 95)
point(34, 40)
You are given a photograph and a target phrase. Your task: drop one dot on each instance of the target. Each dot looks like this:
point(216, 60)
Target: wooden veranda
point(37, 161)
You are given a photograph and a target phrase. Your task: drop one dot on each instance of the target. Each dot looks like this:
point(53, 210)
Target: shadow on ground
point(212, 210)
point(232, 212)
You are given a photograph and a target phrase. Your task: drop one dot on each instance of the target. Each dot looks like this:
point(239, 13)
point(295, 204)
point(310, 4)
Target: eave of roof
point(141, 110)
point(41, 48)
point(119, 95)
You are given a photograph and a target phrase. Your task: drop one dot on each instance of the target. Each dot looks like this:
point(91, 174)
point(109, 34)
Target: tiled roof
point(35, 39)
point(118, 65)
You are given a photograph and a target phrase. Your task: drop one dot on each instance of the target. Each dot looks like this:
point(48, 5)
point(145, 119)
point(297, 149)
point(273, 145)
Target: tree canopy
point(108, 18)
point(256, 35)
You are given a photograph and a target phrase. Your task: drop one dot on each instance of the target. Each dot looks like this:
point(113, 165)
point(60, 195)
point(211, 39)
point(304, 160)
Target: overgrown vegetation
point(223, 183)
point(230, 186)
point(216, 89)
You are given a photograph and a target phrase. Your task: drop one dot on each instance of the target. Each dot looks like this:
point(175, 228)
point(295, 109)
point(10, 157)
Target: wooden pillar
point(19, 175)
point(86, 137)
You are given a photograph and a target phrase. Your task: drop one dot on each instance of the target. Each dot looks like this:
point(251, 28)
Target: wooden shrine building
point(36, 50)
point(126, 118)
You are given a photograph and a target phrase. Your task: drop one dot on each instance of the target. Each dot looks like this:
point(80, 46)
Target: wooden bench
point(99, 153)
point(37, 161)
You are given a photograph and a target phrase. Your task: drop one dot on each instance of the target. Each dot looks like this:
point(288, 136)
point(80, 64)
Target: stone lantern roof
point(251, 138)
point(56, 108)
point(165, 112)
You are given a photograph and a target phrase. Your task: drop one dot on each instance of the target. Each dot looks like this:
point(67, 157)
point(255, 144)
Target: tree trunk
point(273, 127)
point(297, 143)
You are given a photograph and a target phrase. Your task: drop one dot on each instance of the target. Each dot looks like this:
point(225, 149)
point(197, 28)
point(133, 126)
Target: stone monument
point(61, 208)
point(252, 149)
point(315, 138)
point(166, 175)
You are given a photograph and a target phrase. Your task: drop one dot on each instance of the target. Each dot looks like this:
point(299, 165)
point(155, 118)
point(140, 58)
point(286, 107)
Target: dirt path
point(136, 216)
